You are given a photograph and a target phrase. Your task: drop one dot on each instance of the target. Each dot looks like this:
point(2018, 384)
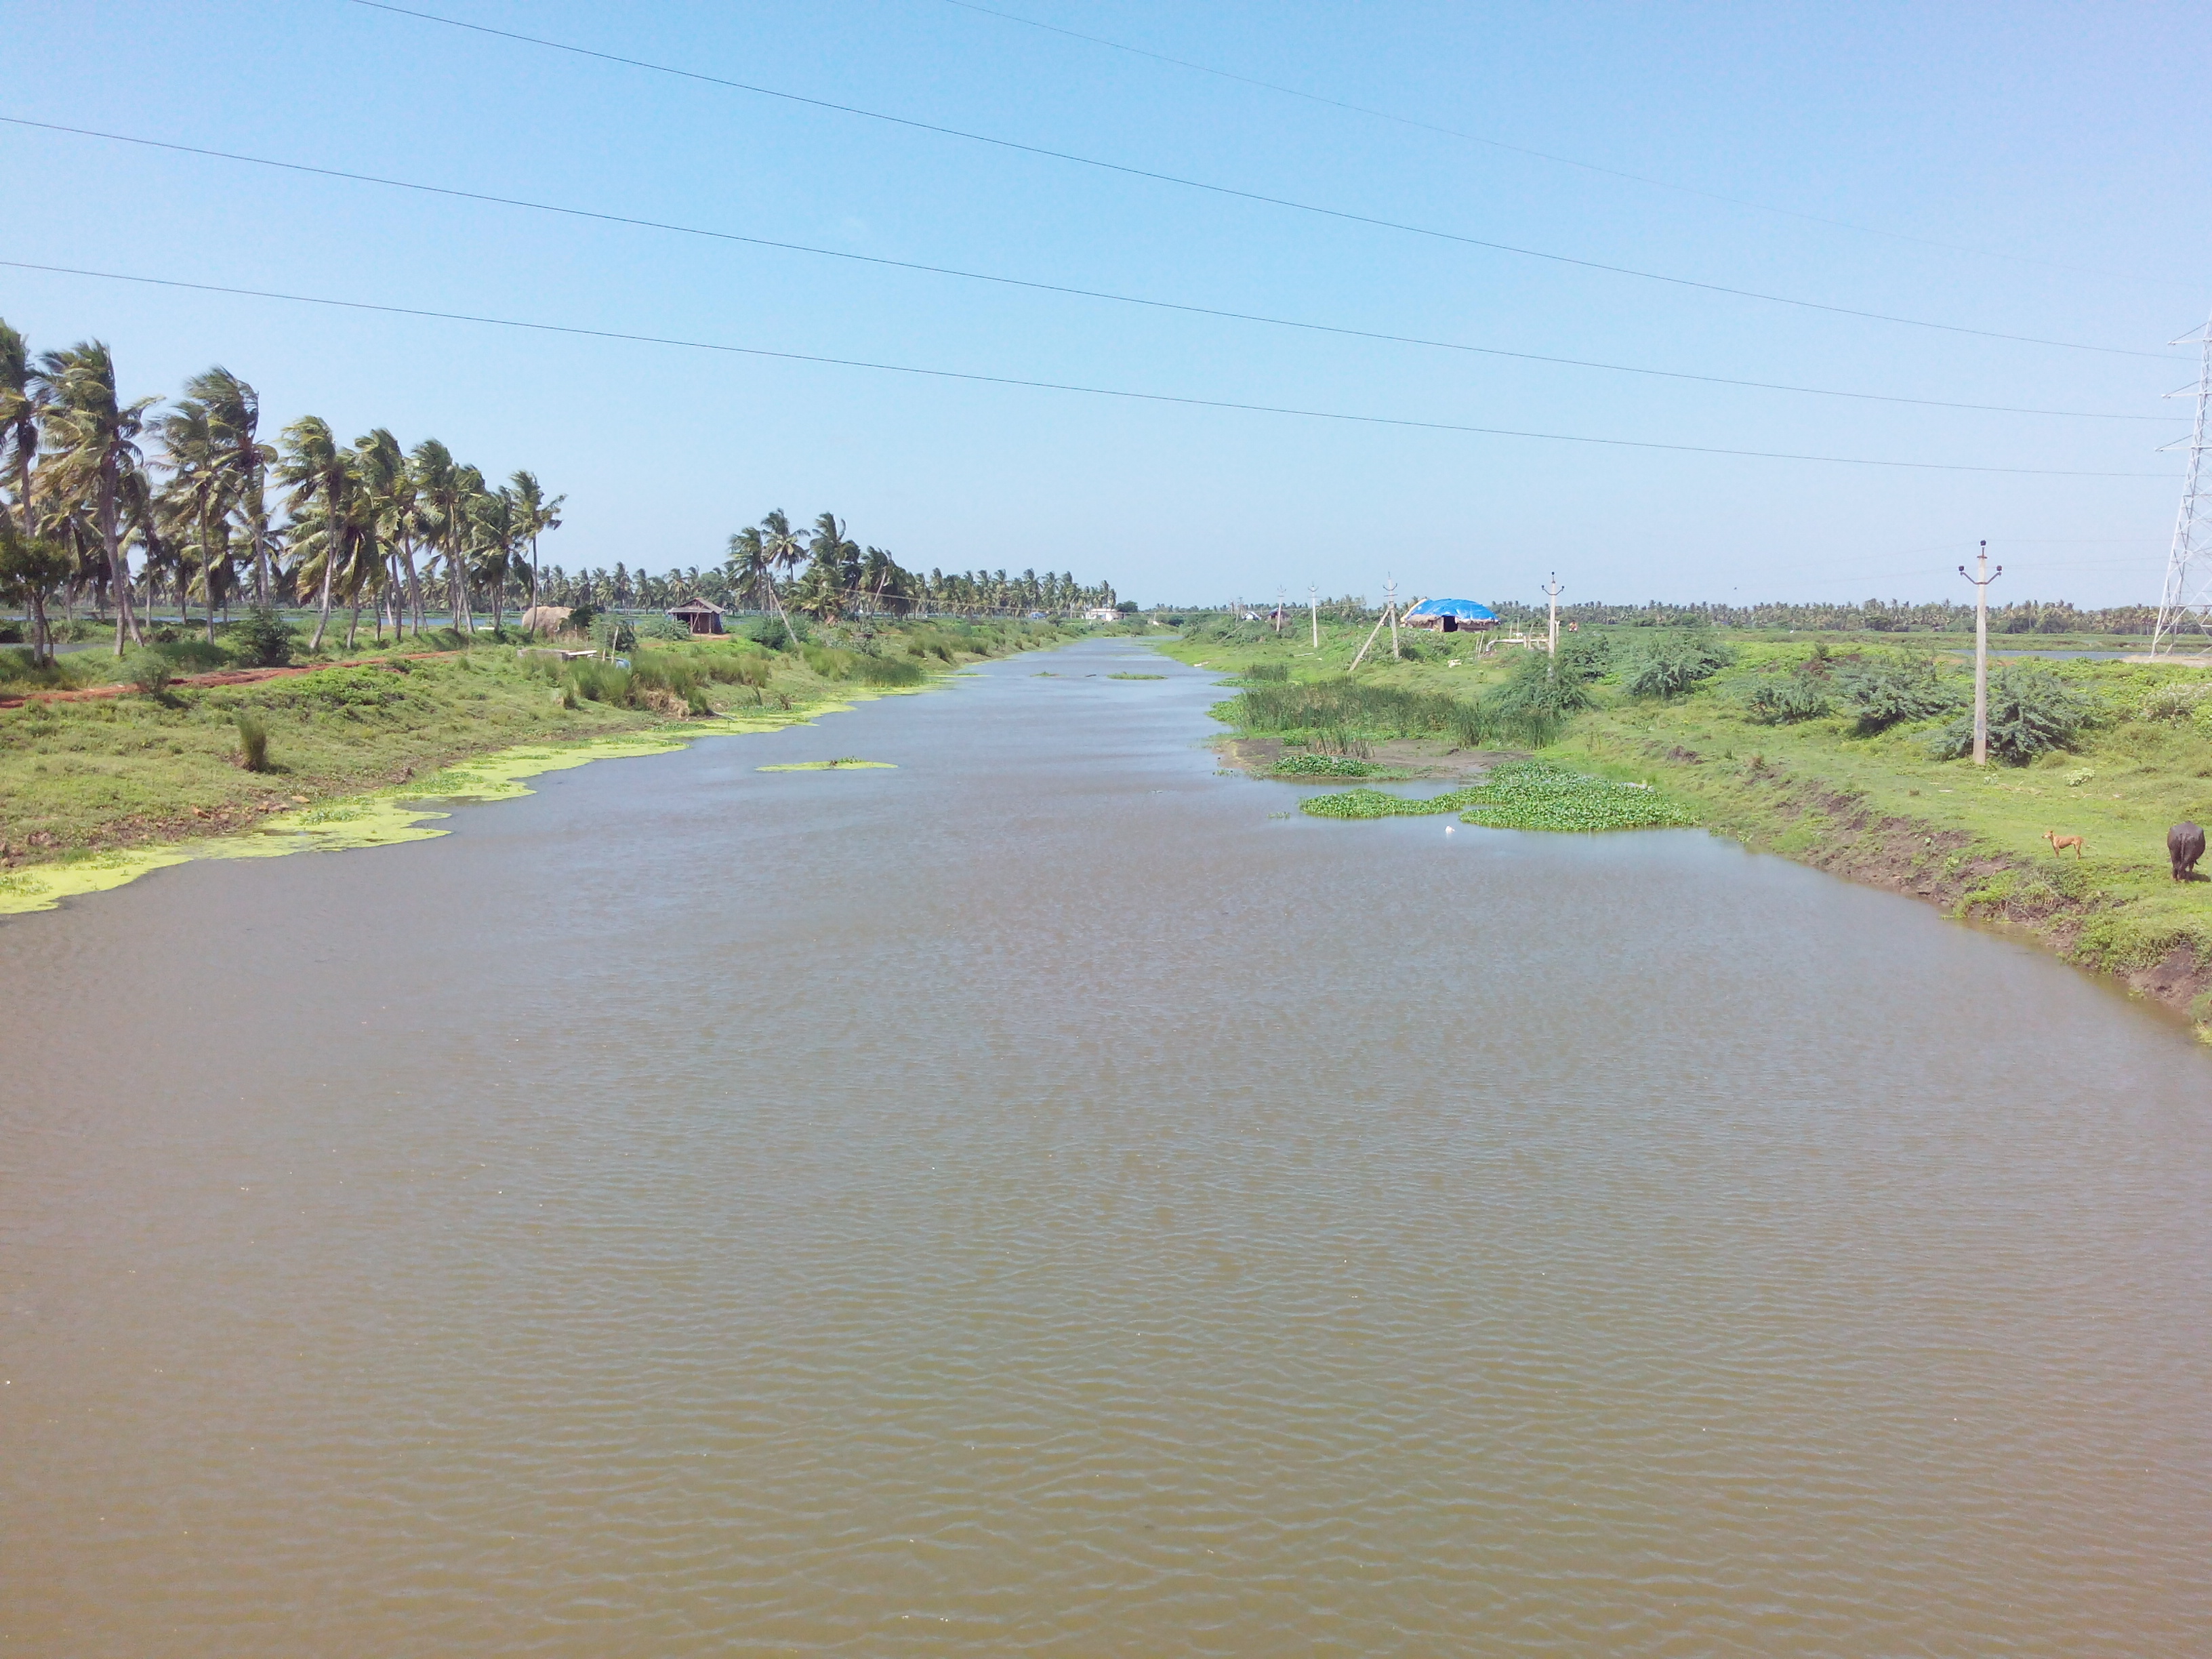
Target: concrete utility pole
point(1281, 597)
point(1390, 590)
point(1553, 590)
point(1982, 652)
point(1312, 599)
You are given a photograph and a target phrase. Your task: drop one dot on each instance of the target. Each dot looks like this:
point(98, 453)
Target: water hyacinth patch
point(1373, 804)
point(1530, 795)
point(1325, 766)
point(1521, 795)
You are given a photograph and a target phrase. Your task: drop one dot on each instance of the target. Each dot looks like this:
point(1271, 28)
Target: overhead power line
point(1342, 330)
point(1398, 119)
point(1342, 214)
point(970, 377)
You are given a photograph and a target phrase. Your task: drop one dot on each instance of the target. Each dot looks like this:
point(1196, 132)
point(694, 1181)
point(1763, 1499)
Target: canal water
point(1041, 1198)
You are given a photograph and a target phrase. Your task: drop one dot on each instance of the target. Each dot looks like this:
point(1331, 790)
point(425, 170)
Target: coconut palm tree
point(196, 501)
point(388, 496)
point(785, 549)
point(750, 569)
point(22, 405)
point(233, 418)
point(96, 437)
point(493, 532)
point(534, 516)
point(320, 476)
point(442, 495)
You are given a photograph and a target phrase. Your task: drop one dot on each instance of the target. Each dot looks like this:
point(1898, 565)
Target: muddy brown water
point(1035, 1200)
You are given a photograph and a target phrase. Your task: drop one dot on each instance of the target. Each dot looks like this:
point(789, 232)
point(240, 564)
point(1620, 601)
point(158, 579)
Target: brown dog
point(2059, 843)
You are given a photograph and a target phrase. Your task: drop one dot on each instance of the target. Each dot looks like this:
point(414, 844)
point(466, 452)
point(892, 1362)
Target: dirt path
point(225, 677)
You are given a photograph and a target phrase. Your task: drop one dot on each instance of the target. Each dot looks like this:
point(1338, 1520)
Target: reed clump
point(253, 742)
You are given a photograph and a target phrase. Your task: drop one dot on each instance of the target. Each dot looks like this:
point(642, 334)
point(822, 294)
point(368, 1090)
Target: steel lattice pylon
point(2185, 602)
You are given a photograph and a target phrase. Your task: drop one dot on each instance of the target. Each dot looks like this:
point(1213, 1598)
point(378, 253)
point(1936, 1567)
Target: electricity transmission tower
point(2186, 599)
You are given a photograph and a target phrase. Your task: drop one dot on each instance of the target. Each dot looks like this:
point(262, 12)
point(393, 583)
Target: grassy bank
point(1825, 749)
point(85, 775)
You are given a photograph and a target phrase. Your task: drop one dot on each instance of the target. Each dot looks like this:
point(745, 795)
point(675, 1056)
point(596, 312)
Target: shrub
point(1265, 670)
point(666, 629)
point(1534, 703)
point(1586, 657)
point(599, 682)
point(149, 671)
point(613, 633)
point(2173, 703)
point(770, 632)
point(1782, 699)
point(2032, 712)
point(1345, 704)
point(736, 668)
point(1883, 694)
point(827, 660)
point(1471, 724)
point(253, 742)
point(1667, 668)
point(888, 671)
point(263, 639)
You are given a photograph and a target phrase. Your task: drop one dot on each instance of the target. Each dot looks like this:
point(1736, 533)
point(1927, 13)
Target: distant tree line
point(774, 566)
point(190, 491)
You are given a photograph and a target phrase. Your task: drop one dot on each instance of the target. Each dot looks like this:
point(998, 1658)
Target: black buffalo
point(2184, 845)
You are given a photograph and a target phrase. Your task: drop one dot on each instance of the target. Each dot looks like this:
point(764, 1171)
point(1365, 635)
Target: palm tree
point(233, 418)
point(98, 436)
point(388, 491)
point(443, 495)
point(785, 549)
point(198, 496)
point(320, 476)
point(534, 516)
point(468, 490)
point(750, 567)
point(494, 534)
point(22, 405)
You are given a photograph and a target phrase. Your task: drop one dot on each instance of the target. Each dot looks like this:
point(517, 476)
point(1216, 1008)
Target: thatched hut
point(700, 616)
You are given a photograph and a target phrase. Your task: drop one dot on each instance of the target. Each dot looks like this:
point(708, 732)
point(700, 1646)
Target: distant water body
point(1037, 1200)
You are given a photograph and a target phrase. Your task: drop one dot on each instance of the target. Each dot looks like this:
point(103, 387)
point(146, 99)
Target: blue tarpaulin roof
point(1465, 610)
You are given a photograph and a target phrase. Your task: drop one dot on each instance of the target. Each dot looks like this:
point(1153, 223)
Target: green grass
point(76, 777)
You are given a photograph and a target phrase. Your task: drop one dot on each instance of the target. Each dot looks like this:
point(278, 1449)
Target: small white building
point(1102, 613)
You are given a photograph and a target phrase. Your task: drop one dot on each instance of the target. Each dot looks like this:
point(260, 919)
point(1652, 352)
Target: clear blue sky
point(2063, 145)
